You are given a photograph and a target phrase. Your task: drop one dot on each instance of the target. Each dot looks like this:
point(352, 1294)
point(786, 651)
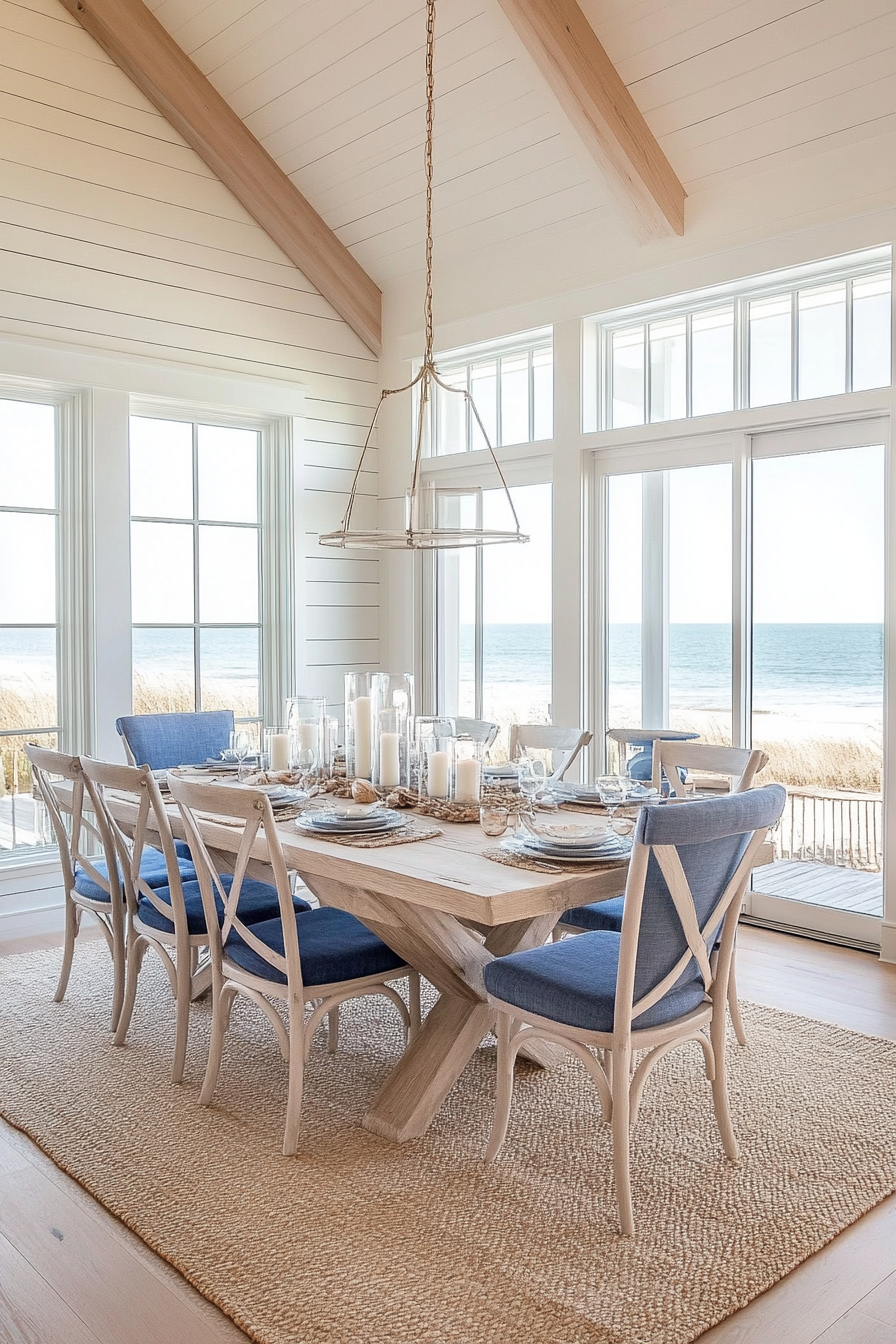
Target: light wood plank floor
point(71, 1274)
point(822, 884)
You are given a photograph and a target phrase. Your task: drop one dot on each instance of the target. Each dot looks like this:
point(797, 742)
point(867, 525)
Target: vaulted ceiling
point(334, 91)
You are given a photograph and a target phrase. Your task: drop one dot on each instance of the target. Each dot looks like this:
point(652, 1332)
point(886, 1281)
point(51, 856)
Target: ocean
point(795, 667)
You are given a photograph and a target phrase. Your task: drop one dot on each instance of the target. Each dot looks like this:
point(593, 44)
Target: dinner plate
point(568, 835)
point(602, 855)
point(315, 824)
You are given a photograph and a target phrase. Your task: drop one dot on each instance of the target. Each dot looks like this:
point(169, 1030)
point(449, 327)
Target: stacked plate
point(600, 847)
point(506, 771)
point(280, 797)
point(584, 793)
point(373, 821)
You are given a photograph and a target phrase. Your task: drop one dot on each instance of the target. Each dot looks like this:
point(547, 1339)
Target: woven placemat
point(405, 835)
point(511, 860)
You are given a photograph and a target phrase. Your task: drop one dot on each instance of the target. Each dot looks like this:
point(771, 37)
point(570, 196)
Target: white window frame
point(276, 536)
point(598, 332)
point(74, 584)
point(450, 362)
point(740, 448)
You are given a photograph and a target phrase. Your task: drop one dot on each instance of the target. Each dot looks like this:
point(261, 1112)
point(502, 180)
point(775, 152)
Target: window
point(493, 626)
point(196, 554)
point(29, 541)
point(788, 336)
point(512, 384)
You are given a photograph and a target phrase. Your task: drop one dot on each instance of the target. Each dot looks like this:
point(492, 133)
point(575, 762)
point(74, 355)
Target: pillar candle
point(279, 751)
point(363, 736)
point(437, 781)
point(306, 737)
point(390, 763)
point(466, 782)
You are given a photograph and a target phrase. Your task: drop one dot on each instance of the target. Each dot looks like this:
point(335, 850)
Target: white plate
point(603, 855)
point(311, 825)
point(571, 835)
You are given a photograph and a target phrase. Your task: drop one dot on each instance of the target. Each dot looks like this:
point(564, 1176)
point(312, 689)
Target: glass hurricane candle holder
point(358, 725)
point(468, 756)
point(305, 718)
point(435, 757)
point(392, 704)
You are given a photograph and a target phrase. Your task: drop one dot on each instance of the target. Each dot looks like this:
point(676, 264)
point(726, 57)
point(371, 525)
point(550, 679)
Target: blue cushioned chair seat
point(574, 981)
point(600, 915)
point(258, 902)
point(153, 870)
point(333, 946)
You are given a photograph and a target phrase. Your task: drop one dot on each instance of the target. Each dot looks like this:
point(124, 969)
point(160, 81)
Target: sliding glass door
point(742, 599)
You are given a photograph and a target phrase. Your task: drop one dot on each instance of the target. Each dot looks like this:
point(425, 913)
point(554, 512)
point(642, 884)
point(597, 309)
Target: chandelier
point(425, 504)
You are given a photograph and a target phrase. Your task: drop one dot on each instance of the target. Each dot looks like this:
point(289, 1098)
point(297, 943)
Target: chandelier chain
point(427, 159)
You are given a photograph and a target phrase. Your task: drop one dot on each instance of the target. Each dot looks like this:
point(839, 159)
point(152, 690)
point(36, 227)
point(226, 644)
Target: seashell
point(364, 792)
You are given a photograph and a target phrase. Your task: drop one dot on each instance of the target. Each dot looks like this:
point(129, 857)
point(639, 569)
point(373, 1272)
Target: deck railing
point(834, 827)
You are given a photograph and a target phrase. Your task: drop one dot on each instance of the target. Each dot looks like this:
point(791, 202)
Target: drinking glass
point(493, 820)
point(532, 775)
point(240, 746)
point(613, 790)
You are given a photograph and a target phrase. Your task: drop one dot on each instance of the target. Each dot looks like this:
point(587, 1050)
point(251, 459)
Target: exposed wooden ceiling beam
point(585, 82)
point(132, 35)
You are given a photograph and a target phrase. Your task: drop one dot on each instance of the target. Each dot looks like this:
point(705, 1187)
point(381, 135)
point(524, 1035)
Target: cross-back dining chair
point(165, 740)
point(85, 876)
point(640, 765)
point(659, 983)
point(320, 957)
point(169, 918)
point(565, 744)
point(670, 758)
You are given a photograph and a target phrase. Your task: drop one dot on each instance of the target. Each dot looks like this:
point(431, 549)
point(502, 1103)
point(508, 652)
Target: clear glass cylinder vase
point(434, 757)
point(392, 703)
point(359, 725)
point(305, 722)
point(468, 759)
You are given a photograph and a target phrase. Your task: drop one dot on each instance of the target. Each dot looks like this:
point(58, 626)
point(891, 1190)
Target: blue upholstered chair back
point(711, 838)
point(165, 740)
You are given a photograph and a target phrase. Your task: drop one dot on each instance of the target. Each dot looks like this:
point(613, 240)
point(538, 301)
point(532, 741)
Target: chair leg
point(734, 1008)
point(220, 1022)
point(718, 1028)
point(333, 1030)
point(504, 1088)
point(414, 1004)
point(119, 966)
point(136, 953)
point(621, 1140)
point(296, 1077)
point(182, 1000)
point(72, 928)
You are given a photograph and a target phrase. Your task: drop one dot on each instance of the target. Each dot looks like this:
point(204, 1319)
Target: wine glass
point(613, 790)
point(240, 746)
point(532, 775)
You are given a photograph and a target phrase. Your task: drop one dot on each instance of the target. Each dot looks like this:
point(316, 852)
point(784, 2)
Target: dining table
point(448, 910)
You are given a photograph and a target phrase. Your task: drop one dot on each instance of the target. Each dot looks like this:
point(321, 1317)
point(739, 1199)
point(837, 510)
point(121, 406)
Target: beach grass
point(851, 764)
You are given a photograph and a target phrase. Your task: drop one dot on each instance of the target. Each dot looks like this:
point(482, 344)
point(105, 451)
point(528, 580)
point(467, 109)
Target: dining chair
point(480, 730)
point(86, 878)
point(564, 743)
point(671, 756)
point(640, 766)
point(320, 957)
point(165, 740)
point(169, 918)
point(660, 982)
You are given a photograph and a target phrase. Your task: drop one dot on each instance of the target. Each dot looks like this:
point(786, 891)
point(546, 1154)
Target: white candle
point(437, 781)
point(390, 764)
point(363, 736)
point(306, 737)
point(279, 751)
point(466, 782)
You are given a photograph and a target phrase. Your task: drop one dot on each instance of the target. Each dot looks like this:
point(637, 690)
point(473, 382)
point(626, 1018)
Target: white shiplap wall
point(114, 235)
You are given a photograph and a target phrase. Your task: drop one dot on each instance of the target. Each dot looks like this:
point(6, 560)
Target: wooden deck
point(822, 884)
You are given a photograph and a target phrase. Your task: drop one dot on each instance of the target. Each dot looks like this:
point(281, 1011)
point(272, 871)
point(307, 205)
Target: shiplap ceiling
point(334, 91)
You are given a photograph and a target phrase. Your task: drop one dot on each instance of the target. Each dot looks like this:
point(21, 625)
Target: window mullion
point(197, 683)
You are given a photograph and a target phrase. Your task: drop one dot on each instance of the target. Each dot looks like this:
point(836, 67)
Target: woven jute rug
point(358, 1241)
